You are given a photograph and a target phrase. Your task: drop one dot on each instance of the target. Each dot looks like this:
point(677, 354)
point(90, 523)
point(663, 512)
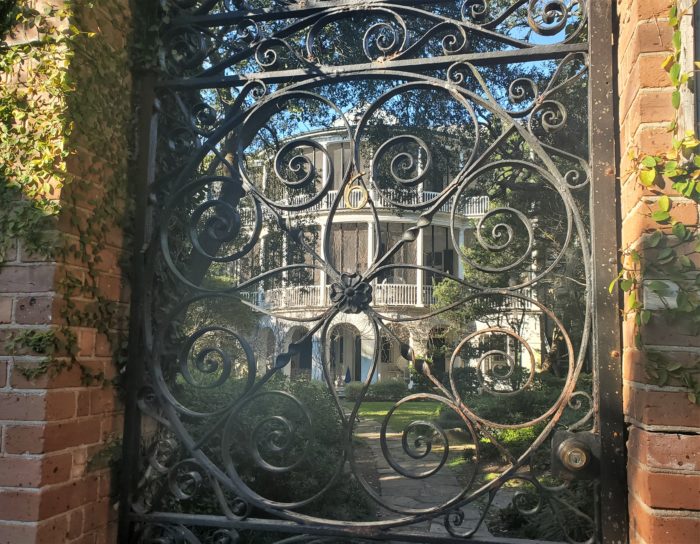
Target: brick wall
point(55, 431)
point(663, 445)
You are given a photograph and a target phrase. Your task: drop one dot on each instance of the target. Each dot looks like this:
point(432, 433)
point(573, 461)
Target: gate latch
point(575, 456)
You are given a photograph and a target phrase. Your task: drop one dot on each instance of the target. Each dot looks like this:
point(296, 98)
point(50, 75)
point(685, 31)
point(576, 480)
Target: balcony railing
point(383, 294)
point(471, 207)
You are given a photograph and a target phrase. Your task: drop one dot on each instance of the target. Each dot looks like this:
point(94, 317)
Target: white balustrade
point(471, 207)
point(383, 294)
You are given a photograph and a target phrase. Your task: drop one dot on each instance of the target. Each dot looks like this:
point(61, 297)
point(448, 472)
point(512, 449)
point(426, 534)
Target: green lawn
point(405, 414)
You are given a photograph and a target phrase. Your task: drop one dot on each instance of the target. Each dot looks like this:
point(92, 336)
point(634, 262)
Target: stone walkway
point(401, 491)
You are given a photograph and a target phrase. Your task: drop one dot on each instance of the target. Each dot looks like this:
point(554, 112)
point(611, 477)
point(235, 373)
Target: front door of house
point(299, 161)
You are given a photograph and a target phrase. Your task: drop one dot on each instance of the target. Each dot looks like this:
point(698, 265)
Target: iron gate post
point(605, 229)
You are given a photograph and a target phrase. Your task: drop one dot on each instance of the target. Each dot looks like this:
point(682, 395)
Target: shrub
point(322, 444)
point(353, 390)
point(466, 381)
point(388, 390)
point(391, 390)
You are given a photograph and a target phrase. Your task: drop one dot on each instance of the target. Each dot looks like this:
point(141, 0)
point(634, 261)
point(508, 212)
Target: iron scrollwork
point(474, 98)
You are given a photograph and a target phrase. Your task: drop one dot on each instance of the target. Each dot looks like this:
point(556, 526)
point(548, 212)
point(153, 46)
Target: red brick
point(19, 504)
point(672, 409)
point(6, 310)
point(75, 523)
point(97, 515)
point(27, 279)
point(53, 531)
point(110, 287)
point(56, 468)
point(3, 373)
point(17, 471)
point(645, 37)
point(649, 9)
point(668, 451)
point(111, 426)
point(659, 333)
point(68, 377)
point(632, 191)
point(12, 533)
point(657, 528)
point(83, 403)
point(634, 364)
point(51, 436)
point(65, 497)
point(86, 343)
point(72, 433)
point(102, 400)
point(670, 491)
point(86, 539)
point(22, 406)
point(33, 310)
point(640, 222)
point(103, 347)
point(24, 439)
point(60, 405)
point(105, 489)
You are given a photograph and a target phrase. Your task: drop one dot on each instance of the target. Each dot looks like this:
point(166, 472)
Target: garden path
point(414, 493)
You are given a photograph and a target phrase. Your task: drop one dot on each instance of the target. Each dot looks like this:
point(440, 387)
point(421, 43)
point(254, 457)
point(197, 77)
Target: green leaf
point(626, 284)
point(611, 287)
point(685, 262)
point(654, 239)
point(633, 301)
point(680, 230)
point(666, 255)
point(647, 177)
point(645, 316)
point(661, 216)
point(664, 203)
point(670, 167)
point(658, 286)
point(672, 367)
point(692, 397)
point(677, 40)
point(684, 304)
point(676, 99)
point(649, 161)
point(675, 73)
point(663, 377)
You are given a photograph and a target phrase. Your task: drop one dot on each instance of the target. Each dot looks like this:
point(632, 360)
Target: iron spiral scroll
point(247, 84)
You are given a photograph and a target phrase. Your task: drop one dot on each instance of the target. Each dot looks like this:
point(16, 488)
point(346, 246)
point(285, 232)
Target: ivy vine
point(660, 275)
point(65, 117)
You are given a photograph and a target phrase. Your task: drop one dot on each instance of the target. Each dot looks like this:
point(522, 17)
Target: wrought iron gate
point(415, 195)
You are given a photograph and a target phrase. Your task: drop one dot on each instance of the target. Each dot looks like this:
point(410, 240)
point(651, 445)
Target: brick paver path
point(398, 490)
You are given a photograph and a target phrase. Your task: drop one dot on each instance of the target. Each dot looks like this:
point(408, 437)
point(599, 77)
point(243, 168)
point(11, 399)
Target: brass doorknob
point(574, 454)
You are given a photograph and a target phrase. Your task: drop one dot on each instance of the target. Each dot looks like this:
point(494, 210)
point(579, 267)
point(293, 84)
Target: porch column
point(420, 275)
point(458, 254)
point(370, 242)
point(322, 277)
point(285, 260)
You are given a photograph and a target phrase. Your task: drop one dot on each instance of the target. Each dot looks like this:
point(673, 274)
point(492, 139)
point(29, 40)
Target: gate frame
point(603, 116)
point(606, 342)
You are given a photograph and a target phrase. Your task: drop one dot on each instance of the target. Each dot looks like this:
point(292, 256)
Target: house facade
point(352, 230)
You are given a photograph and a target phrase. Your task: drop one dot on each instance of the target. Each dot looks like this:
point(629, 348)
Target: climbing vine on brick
point(65, 117)
point(660, 275)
